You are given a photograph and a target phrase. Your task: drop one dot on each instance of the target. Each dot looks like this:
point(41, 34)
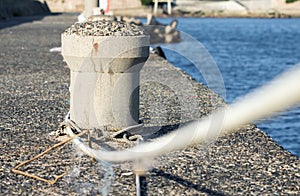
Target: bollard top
point(104, 28)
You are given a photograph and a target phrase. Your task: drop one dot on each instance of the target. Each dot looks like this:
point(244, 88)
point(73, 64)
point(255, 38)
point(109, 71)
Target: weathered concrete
point(105, 75)
point(78, 5)
point(66, 5)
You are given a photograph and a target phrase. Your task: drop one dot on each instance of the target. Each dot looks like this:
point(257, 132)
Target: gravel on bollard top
point(105, 28)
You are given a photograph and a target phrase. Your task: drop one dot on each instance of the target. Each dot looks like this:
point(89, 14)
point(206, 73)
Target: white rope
point(130, 138)
point(127, 129)
point(278, 95)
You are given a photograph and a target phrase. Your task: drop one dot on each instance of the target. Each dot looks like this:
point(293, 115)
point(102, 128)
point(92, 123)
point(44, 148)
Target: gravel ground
point(34, 98)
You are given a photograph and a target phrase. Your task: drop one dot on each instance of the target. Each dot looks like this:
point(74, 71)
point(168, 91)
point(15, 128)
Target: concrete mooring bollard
point(105, 59)
point(89, 6)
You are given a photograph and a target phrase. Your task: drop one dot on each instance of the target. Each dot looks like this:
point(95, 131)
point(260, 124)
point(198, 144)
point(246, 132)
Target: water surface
point(248, 53)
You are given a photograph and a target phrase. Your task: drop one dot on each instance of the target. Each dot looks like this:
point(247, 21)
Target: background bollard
point(89, 5)
point(105, 59)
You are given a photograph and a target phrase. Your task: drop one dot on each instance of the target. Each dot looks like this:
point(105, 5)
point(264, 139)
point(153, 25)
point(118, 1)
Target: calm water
point(248, 53)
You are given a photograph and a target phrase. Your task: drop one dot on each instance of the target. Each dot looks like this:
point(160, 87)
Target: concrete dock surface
point(34, 97)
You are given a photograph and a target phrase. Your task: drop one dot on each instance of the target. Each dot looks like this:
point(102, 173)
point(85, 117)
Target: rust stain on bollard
point(95, 45)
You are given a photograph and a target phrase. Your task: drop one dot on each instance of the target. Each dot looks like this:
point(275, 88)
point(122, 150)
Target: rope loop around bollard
point(123, 135)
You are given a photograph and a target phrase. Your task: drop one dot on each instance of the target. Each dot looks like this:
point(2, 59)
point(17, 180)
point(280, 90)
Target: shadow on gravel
point(184, 182)
point(154, 132)
point(144, 185)
point(20, 20)
point(21, 11)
